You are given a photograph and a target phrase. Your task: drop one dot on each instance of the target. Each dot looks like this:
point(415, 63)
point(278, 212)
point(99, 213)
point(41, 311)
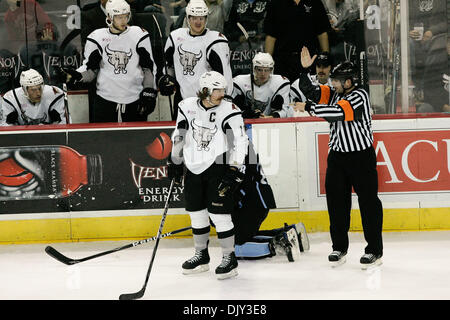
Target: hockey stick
point(52, 252)
point(395, 57)
point(172, 111)
point(252, 79)
point(72, 35)
point(140, 293)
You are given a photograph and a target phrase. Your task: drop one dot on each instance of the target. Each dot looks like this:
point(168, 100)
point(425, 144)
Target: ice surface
point(416, 265)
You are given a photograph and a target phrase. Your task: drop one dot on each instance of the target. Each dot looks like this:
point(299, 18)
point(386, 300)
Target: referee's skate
point(370, 260)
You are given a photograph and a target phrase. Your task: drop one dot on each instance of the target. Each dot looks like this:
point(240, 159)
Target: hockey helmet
point(197, 8)
point(30, 78)
point(116, 7)
point(262, 60)
point(345, 70)
point(212, 80)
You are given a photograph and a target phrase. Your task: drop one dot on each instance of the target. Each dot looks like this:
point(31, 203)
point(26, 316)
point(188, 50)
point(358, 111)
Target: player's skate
point(302, 236)
point(369, 260)
point(337, 258)
point(228, 267)
point(288, 243)
point(198, 263)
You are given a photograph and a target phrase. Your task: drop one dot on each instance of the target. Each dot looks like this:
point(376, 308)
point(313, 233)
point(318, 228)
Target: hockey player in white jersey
point(33, 102)
point(192, 51)
point(210, 140)
point(262, 94)
point(120, 57)
point(308, 84)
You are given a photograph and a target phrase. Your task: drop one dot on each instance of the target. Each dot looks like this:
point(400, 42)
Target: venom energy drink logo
point(151, 181)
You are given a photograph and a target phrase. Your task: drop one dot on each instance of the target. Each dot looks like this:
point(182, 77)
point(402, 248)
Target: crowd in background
point(32, 36)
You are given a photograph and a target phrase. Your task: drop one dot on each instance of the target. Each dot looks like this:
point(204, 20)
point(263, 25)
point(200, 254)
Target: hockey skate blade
point(303, 236)
point(376, 263)
point(295, 249)
point(338, 263)
point(199, 269)
point(223, 276)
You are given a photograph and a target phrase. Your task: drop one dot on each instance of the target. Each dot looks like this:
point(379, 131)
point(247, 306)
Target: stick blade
point(241, 27)
point(132, 296)
point(52, 252)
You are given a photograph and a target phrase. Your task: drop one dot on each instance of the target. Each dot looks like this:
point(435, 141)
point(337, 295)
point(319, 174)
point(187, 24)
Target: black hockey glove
point(231, 181)
point(72, 76)
point(251, 114)
point(167, 85)
point(275, 114)
point(175, 171)
point(147, 101)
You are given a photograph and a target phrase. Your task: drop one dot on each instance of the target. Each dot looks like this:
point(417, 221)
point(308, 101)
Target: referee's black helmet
point(345, 70)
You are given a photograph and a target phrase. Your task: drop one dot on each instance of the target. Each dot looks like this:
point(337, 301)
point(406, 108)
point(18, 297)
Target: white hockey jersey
point(265, 94)
point(297, 94)
point(29, 113)
point(120, 76)
point(206, 135)
point(191, 55)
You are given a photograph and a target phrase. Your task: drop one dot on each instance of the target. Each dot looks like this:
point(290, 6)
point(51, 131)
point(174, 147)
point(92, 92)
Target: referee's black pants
point(358, 170)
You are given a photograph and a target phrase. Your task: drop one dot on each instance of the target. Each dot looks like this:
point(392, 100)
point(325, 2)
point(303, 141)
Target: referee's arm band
point(349, 114)
point(325, 93)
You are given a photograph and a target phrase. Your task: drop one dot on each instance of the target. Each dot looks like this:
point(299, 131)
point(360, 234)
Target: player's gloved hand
point(275, 114)
point(147, 101)
point(175, 171)
point(231, 180)
point(166, 85)
point(72, 76)
point(251, 114)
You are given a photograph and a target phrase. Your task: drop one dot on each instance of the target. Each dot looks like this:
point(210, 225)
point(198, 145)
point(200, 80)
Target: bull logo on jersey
point(30, 121)
point(118, 59)
point(202, 135)
point(188, 60)
point(257, 105)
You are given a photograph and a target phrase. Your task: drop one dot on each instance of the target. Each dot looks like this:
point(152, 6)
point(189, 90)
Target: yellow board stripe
point(141, 227)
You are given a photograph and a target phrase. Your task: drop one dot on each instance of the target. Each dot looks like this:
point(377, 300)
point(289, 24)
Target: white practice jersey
point(191, 55)
point(120, 76)
point(205, 136)
point(264, 95)
point(297, 95)
point(29, 113)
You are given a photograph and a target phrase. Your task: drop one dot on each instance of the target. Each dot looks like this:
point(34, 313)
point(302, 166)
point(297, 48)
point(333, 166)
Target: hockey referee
point(351, 162)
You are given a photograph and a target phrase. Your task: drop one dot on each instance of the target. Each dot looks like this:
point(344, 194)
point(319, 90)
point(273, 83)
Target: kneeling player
point(211, 141)
point(255, 200)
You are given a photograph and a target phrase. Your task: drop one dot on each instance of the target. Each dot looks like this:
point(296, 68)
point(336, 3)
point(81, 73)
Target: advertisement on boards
point(407, 161)
point(86, 171)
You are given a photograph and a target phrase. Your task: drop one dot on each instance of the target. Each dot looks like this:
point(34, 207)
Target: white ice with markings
point(416, 265)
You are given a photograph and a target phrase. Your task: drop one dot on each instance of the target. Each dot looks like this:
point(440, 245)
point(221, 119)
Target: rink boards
point(413, 155)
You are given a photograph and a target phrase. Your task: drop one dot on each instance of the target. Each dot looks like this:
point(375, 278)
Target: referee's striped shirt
point(349, 116)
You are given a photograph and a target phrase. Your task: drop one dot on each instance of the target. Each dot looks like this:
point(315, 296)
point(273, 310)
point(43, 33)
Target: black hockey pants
point(358, 170)
point(106, 111)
